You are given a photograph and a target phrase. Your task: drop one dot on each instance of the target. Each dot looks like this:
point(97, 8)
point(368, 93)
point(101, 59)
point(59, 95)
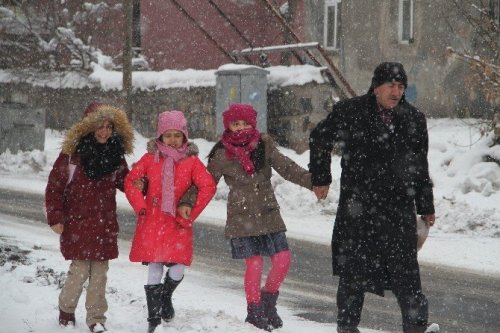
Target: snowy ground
point(466, 236)
point(31, 271)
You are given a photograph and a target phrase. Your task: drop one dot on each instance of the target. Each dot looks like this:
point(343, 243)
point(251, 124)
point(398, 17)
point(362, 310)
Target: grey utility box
point(241, 84)
point(21, 128)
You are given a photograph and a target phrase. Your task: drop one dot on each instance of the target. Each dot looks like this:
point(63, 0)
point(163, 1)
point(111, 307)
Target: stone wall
point(292, 110)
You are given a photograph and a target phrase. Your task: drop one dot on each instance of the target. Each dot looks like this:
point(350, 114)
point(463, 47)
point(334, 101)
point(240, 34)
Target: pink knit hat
point(168, 120)
point(236, 112)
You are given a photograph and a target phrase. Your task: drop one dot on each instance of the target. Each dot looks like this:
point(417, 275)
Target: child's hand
point(58, 228)
point(184, 211)
point(183, 222)
point(139, 184)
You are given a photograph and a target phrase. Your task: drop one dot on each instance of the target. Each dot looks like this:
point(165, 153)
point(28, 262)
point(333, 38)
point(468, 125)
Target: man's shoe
point(433, 328)
point(347, 329)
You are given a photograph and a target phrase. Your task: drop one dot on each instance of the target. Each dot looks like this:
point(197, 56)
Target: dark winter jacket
point(384, 183)
point(252, 208)
point(87, 207)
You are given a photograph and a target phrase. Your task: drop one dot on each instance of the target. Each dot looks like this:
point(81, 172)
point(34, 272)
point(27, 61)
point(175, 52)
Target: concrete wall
point(292, 111)
point(295, 110)
point(21, 128)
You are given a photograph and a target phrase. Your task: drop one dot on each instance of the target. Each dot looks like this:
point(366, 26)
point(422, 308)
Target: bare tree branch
point(53, 26)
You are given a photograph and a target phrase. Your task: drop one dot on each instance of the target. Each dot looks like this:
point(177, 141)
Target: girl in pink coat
point(163, 237)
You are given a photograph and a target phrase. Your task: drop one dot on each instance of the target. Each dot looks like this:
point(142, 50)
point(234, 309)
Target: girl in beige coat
point(245, 158)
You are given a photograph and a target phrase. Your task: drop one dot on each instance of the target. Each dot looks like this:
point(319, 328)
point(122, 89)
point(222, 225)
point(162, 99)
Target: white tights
point(155, 272)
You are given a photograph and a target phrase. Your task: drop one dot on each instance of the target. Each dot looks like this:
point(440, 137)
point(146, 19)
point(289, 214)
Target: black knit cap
point(389, 72)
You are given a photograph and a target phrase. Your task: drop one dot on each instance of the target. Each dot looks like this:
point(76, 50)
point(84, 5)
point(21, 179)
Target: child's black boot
point(153, 300)
point(256, 316)
point(167, 311)
point(269, 302)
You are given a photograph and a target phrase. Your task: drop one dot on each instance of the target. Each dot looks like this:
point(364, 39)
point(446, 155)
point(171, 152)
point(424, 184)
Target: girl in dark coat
point(81, 206)
point(245, 158)
point(384, 183)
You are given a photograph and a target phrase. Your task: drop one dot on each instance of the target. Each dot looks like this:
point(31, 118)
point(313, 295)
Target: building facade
point(356, 34)
point(362, 33)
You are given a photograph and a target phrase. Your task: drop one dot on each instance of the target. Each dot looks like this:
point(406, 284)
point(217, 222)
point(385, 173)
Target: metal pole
point(279, 48)
point(127, 59)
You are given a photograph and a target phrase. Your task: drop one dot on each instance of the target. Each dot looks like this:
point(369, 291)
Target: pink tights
point(280, 264)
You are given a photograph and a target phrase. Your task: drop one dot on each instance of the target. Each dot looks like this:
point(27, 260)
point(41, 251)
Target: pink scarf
point(240, 144)
point(171, 156)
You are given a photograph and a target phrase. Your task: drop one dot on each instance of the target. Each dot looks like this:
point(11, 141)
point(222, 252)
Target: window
point(495, 10)
point(332, 27)
point(406, 21)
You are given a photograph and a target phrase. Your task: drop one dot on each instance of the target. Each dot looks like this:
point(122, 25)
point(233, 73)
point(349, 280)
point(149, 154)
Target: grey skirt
point(264, 245)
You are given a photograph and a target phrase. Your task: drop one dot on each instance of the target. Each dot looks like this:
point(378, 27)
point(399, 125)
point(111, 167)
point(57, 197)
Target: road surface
point(459, 301)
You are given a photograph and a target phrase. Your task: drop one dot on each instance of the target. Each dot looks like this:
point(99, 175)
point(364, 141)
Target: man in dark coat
point(384, 183)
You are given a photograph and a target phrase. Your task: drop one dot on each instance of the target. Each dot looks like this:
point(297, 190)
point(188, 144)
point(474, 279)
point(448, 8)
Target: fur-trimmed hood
point(192, 148)
point(93, 120)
